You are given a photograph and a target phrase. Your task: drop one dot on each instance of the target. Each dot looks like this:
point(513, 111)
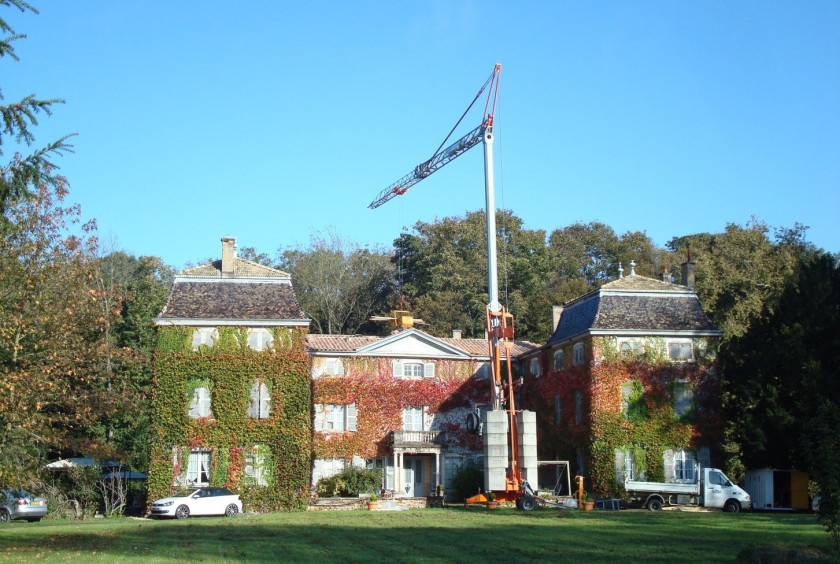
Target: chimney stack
point(228, 255)
point(666, 276)
point(688, 272)
point(456, 333)
point(556, 312)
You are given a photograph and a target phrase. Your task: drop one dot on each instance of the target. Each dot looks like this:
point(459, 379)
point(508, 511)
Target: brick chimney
point(556, 312)
point(228, 255)
point(666, 276)
point(688, 272)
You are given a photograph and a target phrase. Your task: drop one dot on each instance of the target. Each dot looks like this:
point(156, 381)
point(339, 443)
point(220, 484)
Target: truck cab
point(719, 491)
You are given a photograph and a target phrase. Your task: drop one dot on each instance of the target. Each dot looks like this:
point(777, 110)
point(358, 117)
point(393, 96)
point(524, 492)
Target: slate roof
point(231, 301)
point(253, 293)
point(634, 304)
point(351, 343)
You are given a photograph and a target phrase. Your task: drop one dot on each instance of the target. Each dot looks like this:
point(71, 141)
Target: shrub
point(468, 479)
point(351, 482)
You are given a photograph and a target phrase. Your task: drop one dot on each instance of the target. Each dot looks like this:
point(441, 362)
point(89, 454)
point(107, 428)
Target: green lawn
point(427, 535)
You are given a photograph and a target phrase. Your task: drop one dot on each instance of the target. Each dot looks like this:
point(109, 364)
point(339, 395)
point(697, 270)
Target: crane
point(500, 331)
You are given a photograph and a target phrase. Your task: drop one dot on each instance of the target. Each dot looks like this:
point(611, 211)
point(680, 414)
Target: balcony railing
point(418, 438)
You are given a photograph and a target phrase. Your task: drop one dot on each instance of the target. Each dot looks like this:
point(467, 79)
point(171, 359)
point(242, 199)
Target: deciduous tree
point(338, 283)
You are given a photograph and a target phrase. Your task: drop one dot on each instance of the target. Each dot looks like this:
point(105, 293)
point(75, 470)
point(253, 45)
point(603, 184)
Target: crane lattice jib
point(426, 168)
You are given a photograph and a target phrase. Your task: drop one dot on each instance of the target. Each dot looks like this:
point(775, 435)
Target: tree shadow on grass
point(449, 535)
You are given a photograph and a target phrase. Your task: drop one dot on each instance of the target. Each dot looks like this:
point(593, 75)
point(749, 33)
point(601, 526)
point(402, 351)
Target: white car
point(198, 501)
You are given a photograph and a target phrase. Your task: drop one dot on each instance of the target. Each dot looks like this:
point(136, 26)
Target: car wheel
point(527, 503)
point(654, 505)
point(5, 517)
point(231, 510)
point(732, 506)
point(182, 512)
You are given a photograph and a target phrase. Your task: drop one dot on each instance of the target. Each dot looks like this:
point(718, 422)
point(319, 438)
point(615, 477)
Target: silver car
point(18, 504)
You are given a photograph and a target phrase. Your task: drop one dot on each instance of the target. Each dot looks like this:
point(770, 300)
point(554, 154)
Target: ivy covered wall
point(229, 368)
point(647, 425)
point(380, 398)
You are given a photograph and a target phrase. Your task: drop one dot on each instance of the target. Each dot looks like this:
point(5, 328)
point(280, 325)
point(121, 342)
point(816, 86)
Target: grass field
point(427, 535)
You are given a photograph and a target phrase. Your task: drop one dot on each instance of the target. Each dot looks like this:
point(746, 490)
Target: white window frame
point(684, 466)
point(681, 342)
point(259, 338)
point(577, 352)
point(629, 465)
point(417, 368)
point(198, 467)
point(333, 366)
point(633, 346)
point(414, 418)
point(335, 417)
point(254, 468)
point(558, 359)
point(683, 394)
point(535, 369)
point(204, 337)
point(201, 404)
point(259, 405)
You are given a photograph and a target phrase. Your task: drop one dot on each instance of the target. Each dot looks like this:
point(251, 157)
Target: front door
point(413, 474)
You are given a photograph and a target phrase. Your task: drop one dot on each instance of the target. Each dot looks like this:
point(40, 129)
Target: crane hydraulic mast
point(500, 329)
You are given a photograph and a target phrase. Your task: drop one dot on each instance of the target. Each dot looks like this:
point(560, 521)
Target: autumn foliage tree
point(59, 375)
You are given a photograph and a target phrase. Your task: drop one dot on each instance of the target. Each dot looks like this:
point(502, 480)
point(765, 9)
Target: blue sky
point(271, 120)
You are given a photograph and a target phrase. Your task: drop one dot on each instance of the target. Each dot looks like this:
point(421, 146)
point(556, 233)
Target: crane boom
point(456, 149)
point(426, 168)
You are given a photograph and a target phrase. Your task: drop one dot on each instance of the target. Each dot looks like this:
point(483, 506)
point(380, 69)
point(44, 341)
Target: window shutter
point(204, 402)
point(428, 418)
point(668, 459)
point(265, 401)
point(429, 370)
point(320, 420)
point(619, 466)
point(389, 476)
point(351, 417)
point(194, 404)
point(398, 369)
